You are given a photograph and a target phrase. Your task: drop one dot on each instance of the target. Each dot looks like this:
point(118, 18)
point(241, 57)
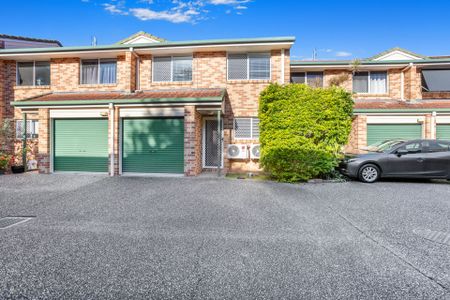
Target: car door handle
point(420, 160)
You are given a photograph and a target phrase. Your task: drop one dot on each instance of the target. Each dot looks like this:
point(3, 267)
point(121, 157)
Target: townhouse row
point(146, 105)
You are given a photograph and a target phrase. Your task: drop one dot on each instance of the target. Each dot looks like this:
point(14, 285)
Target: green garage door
point(80, 145)
point(380, 132)
point(443, 131)
point(153, 145)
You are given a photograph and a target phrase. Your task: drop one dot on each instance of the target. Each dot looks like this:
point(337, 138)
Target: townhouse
point(146, 105)
point(398, 94)
point(143, 105)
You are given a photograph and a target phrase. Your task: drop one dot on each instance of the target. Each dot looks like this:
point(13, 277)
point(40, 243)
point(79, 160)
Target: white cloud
point(343, 54)
point(179, 11)
point(146, 14)
point(115, 9)
point(228, 2)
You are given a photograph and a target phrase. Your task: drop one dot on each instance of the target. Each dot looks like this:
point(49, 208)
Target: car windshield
point(384, 146)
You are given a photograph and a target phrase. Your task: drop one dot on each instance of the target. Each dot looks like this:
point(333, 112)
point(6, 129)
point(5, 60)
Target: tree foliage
point(303, 130)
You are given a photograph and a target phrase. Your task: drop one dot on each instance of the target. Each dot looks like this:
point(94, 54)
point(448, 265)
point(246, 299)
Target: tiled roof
point(22, 38)
point(398, 104)
point(180, 93)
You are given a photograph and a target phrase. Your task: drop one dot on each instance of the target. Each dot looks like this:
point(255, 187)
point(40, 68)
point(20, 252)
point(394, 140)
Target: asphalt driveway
point(96, 237)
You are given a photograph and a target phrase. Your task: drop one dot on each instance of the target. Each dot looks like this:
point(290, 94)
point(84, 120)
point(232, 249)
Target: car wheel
point(369, 173)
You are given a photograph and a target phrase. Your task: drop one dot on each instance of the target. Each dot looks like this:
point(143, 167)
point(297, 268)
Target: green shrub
point(302, 130)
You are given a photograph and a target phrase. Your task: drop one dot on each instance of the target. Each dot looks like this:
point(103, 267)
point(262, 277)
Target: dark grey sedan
point(411, 159)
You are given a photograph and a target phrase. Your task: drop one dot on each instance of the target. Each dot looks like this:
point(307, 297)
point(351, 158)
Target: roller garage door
point(80, 145)
point(153, 145)
point(380, 132)
point(443, 131)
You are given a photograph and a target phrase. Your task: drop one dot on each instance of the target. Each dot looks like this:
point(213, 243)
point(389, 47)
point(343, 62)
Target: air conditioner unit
point(255, 151)
point(237, 151)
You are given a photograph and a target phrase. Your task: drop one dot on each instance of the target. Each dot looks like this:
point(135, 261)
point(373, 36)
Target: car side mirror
point(401, 152)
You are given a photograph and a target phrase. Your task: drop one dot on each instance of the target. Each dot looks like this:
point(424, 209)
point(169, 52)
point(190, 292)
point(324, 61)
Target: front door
point(212, 153)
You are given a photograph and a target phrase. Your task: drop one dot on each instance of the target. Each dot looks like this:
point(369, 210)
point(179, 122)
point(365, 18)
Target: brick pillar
point(116, 140)
point(428, 126)
point(130, 70)
point(43, 156)
point(192, 141)
point(2, 97)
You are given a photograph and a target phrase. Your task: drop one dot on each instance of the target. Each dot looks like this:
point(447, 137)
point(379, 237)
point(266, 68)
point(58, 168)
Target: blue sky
point(337, 29)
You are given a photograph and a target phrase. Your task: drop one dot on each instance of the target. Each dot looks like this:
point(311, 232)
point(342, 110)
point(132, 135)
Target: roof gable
point(396, 54)
point(141, 37)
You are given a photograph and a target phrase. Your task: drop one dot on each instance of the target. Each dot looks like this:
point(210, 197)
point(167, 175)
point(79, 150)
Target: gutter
point(116, 102)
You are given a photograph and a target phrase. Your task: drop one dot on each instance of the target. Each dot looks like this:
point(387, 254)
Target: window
point(413, 147)
point(436, 80)
point(172, 68)
point(32, 129)
point(437, 146)
point(34, 73)
point(370, 82)
point(313, 79)
point(246, 128)
point(244, 66)
point(98, 71)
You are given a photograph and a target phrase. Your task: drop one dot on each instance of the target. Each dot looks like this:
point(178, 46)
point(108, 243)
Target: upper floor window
point(254, 66)
point(313, 79)
point(98, 71)
point(246, 128)
point(370, 82)
point(172, 68)
point(436, 80)
point(33, 73)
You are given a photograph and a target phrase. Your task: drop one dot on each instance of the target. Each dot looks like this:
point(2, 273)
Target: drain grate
point(7, 222)
point(435, 236)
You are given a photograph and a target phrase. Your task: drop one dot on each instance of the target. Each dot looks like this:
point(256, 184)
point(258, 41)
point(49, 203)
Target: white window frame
point(191, 56)
point(306, 76)
point(29, 122)
point(34, 72)
point(368, 80)
point(248, 65)
point(251, 129)
point(98, 71)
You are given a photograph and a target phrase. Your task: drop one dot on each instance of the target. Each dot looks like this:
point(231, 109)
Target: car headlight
point(352, 160)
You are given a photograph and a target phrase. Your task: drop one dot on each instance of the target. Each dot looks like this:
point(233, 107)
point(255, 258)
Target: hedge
point(302, 130)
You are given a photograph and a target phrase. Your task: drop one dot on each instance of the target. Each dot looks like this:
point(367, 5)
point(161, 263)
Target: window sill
point(97, 85)
point(171, 82)
point(31, 87)
point(249, 81)
point(371, 95)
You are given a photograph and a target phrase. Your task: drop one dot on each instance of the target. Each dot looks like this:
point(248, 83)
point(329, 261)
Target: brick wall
point(192, 141)
point(358, 135)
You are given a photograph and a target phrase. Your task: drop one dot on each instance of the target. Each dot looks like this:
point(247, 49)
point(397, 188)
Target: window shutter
point(361, 82)
point(259, 65)
point(255, 128)
point(237, 66)
point(182, 68)
point(162, 68)
point(242, 128)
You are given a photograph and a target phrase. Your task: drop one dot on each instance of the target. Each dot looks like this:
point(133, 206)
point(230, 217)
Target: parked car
point(405, 159)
